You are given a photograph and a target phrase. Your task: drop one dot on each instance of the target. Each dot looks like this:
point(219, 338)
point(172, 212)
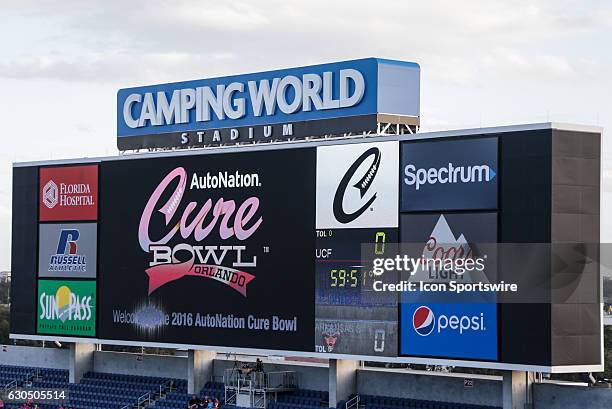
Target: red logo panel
point(69, 193)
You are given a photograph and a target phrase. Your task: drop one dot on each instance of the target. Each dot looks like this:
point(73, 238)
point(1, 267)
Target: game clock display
point(340, 259)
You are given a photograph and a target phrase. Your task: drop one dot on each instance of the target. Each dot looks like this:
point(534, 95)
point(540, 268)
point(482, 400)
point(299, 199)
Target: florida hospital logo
point(423, 321)
point(50, 194)
point(66, 257)
point(363, 185)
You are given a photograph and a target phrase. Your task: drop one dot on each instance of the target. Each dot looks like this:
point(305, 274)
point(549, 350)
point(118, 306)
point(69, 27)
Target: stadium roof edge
point(318, 142)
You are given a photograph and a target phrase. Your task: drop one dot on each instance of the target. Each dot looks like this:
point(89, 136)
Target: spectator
point(216, 405)
point(258, 365)
point(1, 404)
point(194, 402)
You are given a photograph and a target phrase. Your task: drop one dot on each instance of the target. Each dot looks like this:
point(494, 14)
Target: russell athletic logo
point(450, 174)
point(363, 185)
point(424, 322)
point(66, 257)
point(50, 194)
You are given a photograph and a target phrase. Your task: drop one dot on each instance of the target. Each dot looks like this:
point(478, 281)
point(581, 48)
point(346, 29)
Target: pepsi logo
point(423, 321)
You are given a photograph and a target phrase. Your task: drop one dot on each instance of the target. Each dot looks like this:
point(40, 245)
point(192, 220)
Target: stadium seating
point(103, 391)
point(178, 399)
point(95, 391)
point(17, 374)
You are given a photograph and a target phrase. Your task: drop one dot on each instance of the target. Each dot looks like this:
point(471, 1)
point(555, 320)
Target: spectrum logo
point(66, 257)
point(449, 174)
point(424, 322)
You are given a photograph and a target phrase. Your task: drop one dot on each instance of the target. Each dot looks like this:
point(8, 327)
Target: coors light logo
point(69, 193)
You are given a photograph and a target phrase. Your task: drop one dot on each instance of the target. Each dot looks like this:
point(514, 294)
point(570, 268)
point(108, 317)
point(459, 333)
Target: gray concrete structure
point(81, 360)
point(444, 387)
point(517, 389)
point(558, 396)
point(137, 364)
point(200, 368)
point(342, 380)
point(34, 356)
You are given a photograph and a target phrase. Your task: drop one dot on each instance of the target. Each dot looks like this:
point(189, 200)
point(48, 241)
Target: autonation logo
point(450, 174)
point(424, 322)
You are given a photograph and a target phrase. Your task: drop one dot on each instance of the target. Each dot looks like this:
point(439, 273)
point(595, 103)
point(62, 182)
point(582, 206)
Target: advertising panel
point(67, 250)
point(68, 193)
point(66, 307)
point(449, 175)
point(297, 102)
point(466, 330)
point(357, 205)
point(357, 186)
point(445, 324)
point(210, 250)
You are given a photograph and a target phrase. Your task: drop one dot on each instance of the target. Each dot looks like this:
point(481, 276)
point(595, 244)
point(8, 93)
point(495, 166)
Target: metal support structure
point(255, 388)
point(382, 129)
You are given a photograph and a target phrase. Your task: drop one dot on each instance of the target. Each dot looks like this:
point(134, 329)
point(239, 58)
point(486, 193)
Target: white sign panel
point(357, 186)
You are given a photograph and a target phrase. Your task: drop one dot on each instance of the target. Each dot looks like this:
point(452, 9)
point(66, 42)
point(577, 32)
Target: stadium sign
point(266, 249)
point(335, 98)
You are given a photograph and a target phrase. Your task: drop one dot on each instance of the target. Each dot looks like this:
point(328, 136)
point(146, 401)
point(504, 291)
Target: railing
point(281, 379)
point(230, 396)
point(234, 378)
point(6, 389)
point(352, 403)
point(144, 400)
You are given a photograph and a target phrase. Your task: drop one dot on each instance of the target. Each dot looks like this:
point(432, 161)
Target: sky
point(483, 63)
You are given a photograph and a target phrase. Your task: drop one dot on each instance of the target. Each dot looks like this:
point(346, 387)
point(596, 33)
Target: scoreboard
point(269, 248)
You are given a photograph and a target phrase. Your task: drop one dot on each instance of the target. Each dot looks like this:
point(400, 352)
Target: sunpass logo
point(424, 322)
point(418, 177)
point(362, 185)
point(66, 257)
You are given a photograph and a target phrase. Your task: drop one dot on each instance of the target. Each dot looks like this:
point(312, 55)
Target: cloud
point(507, 62)
point(142, 41)
point(113, 66)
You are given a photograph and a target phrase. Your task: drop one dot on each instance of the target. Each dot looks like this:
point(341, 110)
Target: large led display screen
point(357, 201)
point(274, 248)
point(209, 250)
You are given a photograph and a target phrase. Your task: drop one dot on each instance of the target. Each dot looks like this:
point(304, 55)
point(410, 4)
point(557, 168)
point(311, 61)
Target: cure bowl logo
point(423, 321)
point(196, 223)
